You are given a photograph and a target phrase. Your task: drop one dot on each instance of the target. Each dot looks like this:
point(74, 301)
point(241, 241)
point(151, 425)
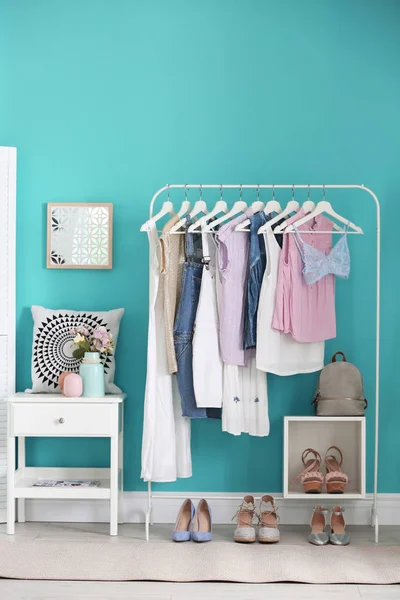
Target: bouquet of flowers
point(99, 340)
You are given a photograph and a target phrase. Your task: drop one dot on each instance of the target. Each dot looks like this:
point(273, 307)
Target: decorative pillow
point(53, 345)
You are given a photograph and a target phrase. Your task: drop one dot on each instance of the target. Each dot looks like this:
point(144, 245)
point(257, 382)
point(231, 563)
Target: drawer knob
point(61, 420)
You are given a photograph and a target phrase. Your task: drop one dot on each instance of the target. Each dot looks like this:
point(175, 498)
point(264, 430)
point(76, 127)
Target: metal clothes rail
point(374, 512)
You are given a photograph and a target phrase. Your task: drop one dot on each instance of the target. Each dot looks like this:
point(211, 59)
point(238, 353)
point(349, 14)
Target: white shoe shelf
point(319, 433)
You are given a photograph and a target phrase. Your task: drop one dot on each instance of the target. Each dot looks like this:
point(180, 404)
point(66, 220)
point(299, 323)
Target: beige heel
point(268, 532)
point(311, 477)
point(335, 479)
point(245, 533)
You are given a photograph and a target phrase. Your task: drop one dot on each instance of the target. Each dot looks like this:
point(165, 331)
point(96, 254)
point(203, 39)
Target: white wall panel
point(7, 302)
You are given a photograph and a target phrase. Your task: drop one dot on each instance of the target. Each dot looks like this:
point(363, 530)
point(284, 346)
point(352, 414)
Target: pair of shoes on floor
point(191, 524)
point(268, 531)
point(319, 536)
point(313, 479)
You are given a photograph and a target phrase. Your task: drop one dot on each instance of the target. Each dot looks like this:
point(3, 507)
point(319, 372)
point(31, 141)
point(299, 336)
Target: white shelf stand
point(372, 195)
point(319, 433)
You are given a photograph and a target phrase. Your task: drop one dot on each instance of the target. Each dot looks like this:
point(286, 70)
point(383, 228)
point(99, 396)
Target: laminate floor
point(88, 590)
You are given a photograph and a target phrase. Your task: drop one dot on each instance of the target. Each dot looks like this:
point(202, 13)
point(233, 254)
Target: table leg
point(10, 485)
point(114, 485)
point(121, 478)
point(21, 465)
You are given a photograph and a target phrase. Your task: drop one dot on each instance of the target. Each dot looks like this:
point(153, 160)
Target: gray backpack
point(340, 390)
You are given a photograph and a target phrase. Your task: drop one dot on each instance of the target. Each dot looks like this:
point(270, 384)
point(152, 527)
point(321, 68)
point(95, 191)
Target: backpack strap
point(335, 355)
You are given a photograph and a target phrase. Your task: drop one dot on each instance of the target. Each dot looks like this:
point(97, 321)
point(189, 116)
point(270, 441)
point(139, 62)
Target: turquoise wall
point(107, 101)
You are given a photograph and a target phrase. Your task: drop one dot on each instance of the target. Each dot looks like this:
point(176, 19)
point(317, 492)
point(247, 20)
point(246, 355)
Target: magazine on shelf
point(65, 483)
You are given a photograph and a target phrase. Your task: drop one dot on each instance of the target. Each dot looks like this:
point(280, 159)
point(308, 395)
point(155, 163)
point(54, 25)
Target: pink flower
point(102, 341)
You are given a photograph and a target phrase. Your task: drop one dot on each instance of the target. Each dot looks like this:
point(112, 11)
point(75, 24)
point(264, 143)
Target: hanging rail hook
point(240, 193)
point(293, 191)
point(309, 194)
point(258, 192)
point(186, 193)
point(220, 192)
point(201, 191)
point(273, 191)
point(168, 193)
point(323, 192)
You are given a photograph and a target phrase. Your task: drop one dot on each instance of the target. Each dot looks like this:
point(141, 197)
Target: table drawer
point(62, 419)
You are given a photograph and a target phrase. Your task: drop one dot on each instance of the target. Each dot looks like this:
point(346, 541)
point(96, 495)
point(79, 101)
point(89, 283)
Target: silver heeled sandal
point(318, 535)
point(338, 536)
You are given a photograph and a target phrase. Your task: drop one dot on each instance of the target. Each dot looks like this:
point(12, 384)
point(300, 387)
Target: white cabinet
point(54, 415)
point(8, 161)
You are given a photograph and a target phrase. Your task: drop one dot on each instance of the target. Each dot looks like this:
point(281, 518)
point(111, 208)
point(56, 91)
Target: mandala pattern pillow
point(53, 345)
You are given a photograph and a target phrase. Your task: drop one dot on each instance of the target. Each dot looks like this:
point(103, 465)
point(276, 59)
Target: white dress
point(244, 394)
point(166, 434)
point(245, 400)
point(207, 364)
point(278, 352)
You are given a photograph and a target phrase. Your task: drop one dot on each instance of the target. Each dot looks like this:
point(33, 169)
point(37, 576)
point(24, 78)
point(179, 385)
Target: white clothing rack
point(374, 512)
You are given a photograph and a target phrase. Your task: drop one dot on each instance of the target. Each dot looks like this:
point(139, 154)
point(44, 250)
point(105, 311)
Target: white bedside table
point(53, 415)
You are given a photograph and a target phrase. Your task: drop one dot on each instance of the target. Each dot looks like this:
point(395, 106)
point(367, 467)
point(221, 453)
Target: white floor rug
point(216, 561)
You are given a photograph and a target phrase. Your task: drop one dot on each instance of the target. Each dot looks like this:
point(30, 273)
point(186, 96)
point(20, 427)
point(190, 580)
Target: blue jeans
point(183, 338)
point(257, 263)
point(184, 326)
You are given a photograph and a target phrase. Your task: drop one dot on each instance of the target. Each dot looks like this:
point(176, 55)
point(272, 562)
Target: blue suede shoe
point(183, 523)
point(201, 526)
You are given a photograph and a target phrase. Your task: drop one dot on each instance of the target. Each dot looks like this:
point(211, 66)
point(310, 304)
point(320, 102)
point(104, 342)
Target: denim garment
point(184, 326)
point(257, 264)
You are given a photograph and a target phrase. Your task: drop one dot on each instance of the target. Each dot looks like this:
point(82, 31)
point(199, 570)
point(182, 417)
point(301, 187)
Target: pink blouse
point(305, 311)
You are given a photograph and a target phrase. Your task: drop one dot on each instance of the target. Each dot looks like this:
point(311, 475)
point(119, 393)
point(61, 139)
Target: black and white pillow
point(53, 345)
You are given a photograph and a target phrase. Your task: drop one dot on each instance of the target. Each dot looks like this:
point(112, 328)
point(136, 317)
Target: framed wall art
point(79, 235)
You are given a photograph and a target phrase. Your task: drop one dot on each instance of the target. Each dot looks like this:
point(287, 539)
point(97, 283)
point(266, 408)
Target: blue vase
point(92, 373)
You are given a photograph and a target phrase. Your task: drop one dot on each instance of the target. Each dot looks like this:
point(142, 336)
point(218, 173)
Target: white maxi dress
point(166, 434)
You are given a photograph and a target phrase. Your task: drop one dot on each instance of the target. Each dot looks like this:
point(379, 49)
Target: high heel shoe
point(245, 532)
point(335, 479)
point(201, 526)
point(268, 531)
point(338, 535)
point(311, 477)
point(183, 523)
point(318, 535)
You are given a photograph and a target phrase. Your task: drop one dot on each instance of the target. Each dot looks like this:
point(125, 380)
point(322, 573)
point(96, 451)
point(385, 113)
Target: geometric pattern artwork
point(79, 236)
point(53, 346)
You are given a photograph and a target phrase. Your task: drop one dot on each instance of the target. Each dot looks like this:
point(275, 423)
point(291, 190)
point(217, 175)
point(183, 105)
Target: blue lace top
point(317, 264)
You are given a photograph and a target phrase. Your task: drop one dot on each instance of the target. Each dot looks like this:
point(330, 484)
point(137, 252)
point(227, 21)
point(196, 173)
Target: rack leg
point(149, 513)
point(375, 523)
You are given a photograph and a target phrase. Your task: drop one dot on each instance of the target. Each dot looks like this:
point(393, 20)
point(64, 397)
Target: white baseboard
point(165, 509)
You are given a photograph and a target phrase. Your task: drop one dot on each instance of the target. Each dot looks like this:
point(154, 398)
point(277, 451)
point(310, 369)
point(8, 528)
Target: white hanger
point(291, 206)
point(220, 206)
point(199, 207)
point(185, 206)
point(257, 206)
point(273, 205)
point(238, 207)
point(324, 207)
point(167, 208)
point(308, 206)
